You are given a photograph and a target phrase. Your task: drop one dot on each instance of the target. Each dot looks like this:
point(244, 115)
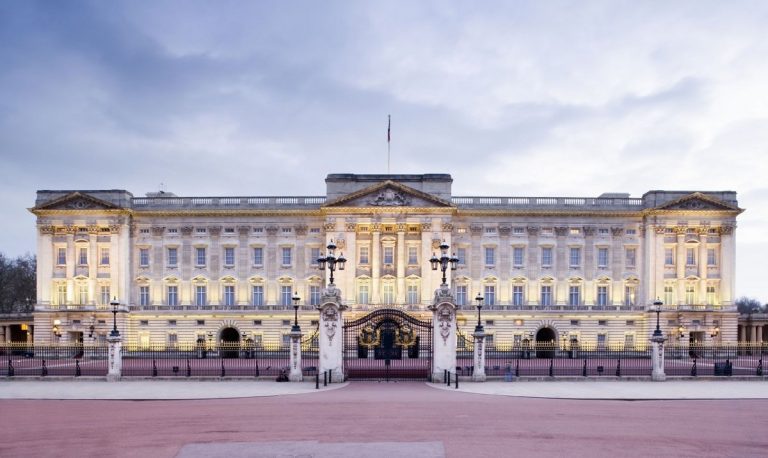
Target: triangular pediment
point(77, 200)
point(388, 194)
point(698, 202)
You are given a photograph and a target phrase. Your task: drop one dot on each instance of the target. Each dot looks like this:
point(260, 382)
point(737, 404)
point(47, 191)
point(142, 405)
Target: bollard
point(551, 372)
point(517, 368)
point(325, 378)
point(223, 372)
point(154, 369)
point(457, 381)
point(189, 369)
point(45, 370)
point(445, 375)
point(330, 376)
point(317, 380)
point(618, 368)
point(449, 379)
point(584, 370)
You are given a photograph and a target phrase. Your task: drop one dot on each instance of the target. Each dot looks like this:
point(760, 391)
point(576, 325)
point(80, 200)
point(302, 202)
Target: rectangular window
point(629, 341)
point(690, 256)
point(602, 257)
point(629, 295)
point(82, 296)
point(574, 295)
point(602, 296)
point(314, 253)
point(257, 295)
point(258, 256)
point(229, 256)
point(631, 257)
point(229, 295)
point(669, 295)
point(173, 295)
point(104, 256)
point(711, 257)
point(546, 256)
point(173, 257)
point(200, 256)
point(461, 295)
point(461, 253)
point(413, 255)
point(287, 255)
point(286, 293)
point(104, 295)
point(314, 295)
point(490, 256)
point(389, 255)
point(690, 294)
point(546, 295)
point(173, 340)
point(143, 295)
point(363, 258)
point(517, 256)
point(601, 341)
point(144, 257)
point(711, 295)
point(575, 258)
point(201, 295)
point(517, 295)
point(490, 295)
point(362, 294)
point(669, 257)
point(389, 293)
point(61, 256)
point(82, 258)
point(412, 294)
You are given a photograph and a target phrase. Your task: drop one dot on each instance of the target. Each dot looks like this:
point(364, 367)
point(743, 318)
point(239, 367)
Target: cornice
point(229, 212)
point(387, 210)
point(101, 211)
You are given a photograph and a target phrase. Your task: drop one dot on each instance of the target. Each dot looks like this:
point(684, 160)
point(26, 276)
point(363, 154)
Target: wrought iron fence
point(21, 359)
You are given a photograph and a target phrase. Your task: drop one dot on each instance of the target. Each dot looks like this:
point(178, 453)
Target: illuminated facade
point(549, 268)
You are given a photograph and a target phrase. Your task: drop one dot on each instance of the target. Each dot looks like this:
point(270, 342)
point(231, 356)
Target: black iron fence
point(20, 359)
point(553, 360)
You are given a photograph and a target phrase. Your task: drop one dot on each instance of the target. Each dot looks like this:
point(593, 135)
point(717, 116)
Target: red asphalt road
point(467, 424)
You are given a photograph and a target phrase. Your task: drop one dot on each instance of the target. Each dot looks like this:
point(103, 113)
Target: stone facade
point(190, 268)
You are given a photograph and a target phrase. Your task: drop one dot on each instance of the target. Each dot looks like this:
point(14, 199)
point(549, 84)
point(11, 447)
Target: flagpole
point(389, 126)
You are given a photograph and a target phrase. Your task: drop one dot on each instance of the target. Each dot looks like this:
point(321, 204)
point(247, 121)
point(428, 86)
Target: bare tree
point(748, 305)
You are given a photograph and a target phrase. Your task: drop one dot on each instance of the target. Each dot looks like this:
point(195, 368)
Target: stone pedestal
point(657, 359)
point(331, 339)
point(478, 374)
point(443, 334)
point(295, 375)
point(115, 368)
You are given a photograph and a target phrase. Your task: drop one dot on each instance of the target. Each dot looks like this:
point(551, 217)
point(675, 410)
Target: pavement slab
point(313, 449)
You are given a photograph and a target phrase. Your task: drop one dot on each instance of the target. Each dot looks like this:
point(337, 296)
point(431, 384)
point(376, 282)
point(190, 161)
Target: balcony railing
point(152, 203)
point(595, 203)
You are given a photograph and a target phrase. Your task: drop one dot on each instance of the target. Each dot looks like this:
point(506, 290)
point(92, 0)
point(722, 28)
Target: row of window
point(82, 293)
point(227, 230)
point(691, 255)
point(691, 294)
point(547, 260)
point(201, 256)
point(82, 256)
point(229, 295)
point(546, 297)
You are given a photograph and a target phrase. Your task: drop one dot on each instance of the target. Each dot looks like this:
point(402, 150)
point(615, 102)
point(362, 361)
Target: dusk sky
point(539, 98)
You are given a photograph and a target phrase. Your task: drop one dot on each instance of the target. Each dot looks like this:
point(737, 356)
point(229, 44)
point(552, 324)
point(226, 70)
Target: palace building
point(560, 269)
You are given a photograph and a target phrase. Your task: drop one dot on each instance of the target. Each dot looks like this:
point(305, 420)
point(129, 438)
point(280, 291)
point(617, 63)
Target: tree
point(17, 282)
point(748, 305)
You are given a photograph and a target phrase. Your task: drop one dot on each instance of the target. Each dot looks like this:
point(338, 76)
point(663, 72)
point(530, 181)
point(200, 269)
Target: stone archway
point(546, 341)
point(229, 339)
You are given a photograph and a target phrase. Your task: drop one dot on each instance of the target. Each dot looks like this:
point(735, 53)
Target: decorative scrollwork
point(405, 336)
point(369, 337)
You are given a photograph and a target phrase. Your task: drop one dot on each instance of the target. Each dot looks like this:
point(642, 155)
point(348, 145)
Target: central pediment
point(698, 201)
point(388, 194)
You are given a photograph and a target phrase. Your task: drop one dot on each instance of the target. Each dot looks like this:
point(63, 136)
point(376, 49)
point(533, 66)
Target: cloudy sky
point(541, 98)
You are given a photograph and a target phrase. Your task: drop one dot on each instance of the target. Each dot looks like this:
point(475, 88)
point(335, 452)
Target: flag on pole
point(389, 125)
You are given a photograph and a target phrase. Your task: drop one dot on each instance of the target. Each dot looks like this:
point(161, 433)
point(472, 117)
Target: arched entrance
point(546, 341)
point(230, 343)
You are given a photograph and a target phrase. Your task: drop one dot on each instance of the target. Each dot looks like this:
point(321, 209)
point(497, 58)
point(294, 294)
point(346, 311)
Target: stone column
point(657, 358)
point(115, 368)
point(400, 263)
point(332, 334)
point(375, 262)
point(478, 374)
point(680, 262)
point(443, 334)
point(295, 374)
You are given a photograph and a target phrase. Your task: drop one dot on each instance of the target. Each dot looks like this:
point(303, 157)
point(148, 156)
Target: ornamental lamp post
point(296, 300)
point(443, 261)
point(115, 304)
point(331, 260)
point(479, 299)
point(657, 308)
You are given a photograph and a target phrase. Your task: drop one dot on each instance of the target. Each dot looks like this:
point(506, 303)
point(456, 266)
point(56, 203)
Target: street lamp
point(331, 260)
point(114, 304)
point(296, 300)
point(210, 339)
point(657, 304)
point(57, 328)
point(479, 299)
point(444, 260)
